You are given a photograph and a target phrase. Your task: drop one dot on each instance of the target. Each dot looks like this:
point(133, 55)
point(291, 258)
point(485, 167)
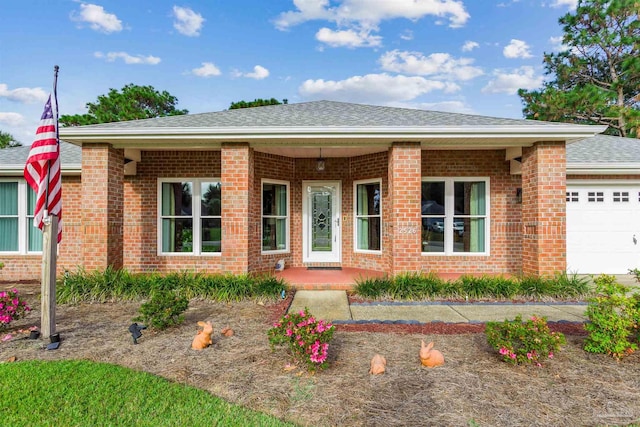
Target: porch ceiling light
point(320, 163)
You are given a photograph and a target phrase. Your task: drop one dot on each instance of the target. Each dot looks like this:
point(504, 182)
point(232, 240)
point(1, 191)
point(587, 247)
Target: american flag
point(42, 170)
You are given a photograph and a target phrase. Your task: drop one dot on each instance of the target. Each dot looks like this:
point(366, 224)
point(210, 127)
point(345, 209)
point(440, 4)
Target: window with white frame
point(275, 216)
point(455, 215)
point(17, 203)
point(190, 216)
point(368, 217)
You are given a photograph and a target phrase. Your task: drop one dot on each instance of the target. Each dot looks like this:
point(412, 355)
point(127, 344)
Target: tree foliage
point(597, 76)
point(133, 102)
point(256, 103)
point(7, 140)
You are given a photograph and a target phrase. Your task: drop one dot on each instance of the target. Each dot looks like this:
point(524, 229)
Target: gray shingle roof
point(328, 114)
point(604, 149)
point(70, 155)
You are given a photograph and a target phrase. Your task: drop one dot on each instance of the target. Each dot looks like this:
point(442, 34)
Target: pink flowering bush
point(307, 337)
point(521, 342)
point(11, 307)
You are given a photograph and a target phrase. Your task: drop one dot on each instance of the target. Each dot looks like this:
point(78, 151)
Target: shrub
point(11, 307)
point(613, 319)
point(163, 310)
point(524, 342)
point(307, 338)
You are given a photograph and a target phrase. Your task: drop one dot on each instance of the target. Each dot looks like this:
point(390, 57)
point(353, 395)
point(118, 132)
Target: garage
point(603, 227)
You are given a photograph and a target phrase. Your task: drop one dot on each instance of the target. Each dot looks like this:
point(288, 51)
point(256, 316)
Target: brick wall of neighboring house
point(29, 267)
point(141, 207)
point(505, 220)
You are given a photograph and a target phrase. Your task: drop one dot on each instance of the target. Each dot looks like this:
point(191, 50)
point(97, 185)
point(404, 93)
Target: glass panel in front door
point(321, 220)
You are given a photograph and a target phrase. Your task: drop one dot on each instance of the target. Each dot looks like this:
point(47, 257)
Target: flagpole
point(49, 243)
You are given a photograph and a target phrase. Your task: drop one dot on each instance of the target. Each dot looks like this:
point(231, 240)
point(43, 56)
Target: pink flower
point(289, 332)
point(512, 355)
point(301, 313)
point(7, 337)
point(503, 351)
point(550, 355)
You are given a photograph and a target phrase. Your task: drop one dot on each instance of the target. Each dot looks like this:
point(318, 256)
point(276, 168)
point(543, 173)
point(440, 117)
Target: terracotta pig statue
point(203, 338)
point(378, 364)
point(430, 358)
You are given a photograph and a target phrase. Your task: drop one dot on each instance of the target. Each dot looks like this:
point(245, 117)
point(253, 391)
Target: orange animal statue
point(203, 338)
point(378, 364)
point(429, 357)
point(227, 332)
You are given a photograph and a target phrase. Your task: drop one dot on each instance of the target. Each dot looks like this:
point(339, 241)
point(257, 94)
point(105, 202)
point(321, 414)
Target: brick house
point(323, 184)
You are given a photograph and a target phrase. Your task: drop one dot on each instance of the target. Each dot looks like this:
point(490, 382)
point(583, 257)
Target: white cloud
point(348, 38)
point(469, 45)
point(407, 35)
point(188, 22)
point(517, 49)
point(23, 95)
point(208, 69)
point(97, 18)
point(439, 65)
point(368, 14)
point(259, 73)
point(509, 82)
point(373, 88)
point(572, 4)
point(11, 119)
point(128, 59)
point(556, 44)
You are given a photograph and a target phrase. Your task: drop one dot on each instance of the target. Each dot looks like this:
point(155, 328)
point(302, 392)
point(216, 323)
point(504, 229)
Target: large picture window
point(190, 216)
point(455, 215)
point(17, 203)
point(368, 217)
point(275, 216)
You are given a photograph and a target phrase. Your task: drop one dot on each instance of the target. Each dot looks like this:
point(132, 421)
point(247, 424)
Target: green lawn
point(82, 393)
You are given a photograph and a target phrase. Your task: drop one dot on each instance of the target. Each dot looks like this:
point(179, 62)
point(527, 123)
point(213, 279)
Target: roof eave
point(585, 168)
point(565, 132)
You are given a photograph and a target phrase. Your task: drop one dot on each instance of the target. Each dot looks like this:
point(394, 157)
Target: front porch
point(302, 278)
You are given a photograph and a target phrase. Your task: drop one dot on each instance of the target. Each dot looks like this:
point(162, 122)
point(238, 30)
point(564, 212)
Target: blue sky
point(466, 56)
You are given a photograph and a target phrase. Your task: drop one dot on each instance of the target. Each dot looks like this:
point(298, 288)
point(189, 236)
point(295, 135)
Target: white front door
point(321, 221)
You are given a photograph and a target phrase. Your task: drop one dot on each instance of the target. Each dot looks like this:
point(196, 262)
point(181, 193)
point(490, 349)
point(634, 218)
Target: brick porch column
point(102, 206)
point(543, 209)
point(237, 186)
point(405, 183)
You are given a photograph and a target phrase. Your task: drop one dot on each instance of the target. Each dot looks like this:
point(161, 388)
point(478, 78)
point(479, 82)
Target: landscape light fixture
point(320, 163)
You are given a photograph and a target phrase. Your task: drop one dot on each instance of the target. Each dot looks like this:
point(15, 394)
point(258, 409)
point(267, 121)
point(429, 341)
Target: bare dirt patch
point(576, 388)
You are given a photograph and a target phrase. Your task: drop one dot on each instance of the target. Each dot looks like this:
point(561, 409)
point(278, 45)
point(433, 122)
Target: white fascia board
point(565, 132)
point(594, 168)
point(18, 169)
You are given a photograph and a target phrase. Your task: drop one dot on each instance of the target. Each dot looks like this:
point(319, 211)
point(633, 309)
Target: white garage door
point(603, 228)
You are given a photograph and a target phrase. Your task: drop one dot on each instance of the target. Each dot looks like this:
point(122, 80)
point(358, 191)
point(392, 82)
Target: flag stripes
point(42, 170)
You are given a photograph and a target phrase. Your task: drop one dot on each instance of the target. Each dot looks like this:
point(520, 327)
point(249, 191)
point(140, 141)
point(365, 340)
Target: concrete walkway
point(334, 306)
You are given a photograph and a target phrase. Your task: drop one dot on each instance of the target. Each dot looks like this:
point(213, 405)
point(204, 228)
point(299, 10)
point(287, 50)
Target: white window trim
point(196, 217)
point(355, 215)
point(23, 244)
point(287, 249)
point(449, 200)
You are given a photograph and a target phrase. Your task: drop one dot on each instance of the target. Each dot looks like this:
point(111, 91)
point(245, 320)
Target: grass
point(419, 286)
point(121, 285)
point(81, 393)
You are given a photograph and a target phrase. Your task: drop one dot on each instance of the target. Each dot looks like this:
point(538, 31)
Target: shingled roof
point(330, 114)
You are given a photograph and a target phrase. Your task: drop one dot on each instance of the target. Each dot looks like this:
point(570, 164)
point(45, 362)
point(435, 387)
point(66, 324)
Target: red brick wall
point(141, 207)
point(102, 206)
point(29, 267)
point(279, 168)
point(404, 191)
point(505, 222)
point(237, 186)
point(543, 208)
